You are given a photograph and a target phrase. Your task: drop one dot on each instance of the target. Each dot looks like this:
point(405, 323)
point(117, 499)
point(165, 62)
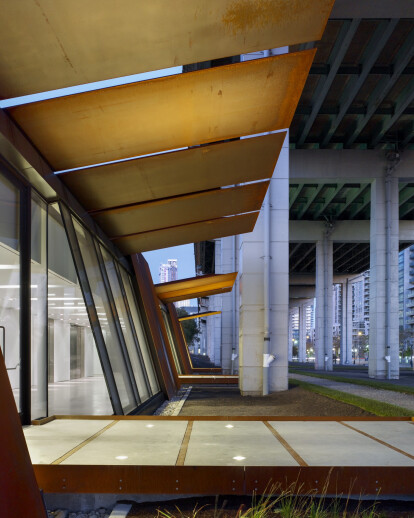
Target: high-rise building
point(406, 288)
point(168, 271)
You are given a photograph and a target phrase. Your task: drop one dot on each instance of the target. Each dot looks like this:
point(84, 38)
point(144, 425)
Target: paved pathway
point(385, 396)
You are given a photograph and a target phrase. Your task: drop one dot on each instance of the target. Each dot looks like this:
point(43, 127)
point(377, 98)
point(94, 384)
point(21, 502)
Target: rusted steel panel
point(141, 479)
point(172, 174)
point(51, 44)
point(199, 315)
point(191, 233)
point(355, 480)
point(366, 481)
point(187, 288)
point(180, 210)
point(167, 113)
point(19, 492)
point(165, 367)
point(182, 348)
point(234, 418)
point(206, 379)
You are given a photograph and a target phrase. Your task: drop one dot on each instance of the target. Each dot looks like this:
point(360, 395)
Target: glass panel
point(139, 329)
point(38, 275)
point(103, 309)
point(167, 324)
point(76, 382)
point(126, 326)
point(10, 282)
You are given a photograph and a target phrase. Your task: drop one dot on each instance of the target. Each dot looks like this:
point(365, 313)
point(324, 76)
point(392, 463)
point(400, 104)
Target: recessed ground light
point(121, 457)
point(149, 425)
point(239, 457)
point(229, 426)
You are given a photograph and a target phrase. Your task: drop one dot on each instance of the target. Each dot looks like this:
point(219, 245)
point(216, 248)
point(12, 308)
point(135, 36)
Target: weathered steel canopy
point(51, 44)
point(199, 315)
point(173, 174)
point(180, 210)
point(194, 287)
point(167, 113)
point(191, 233)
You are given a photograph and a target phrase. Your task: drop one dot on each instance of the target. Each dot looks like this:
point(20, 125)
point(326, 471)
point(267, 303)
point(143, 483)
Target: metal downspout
point(266, 286)
point(234, 328)
point(388, 270)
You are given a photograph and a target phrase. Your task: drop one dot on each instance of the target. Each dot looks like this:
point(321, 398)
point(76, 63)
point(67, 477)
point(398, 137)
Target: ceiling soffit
point(167, 113)
point(181, 210)
point(173, 174)
point(51, 44)
point(191, 233)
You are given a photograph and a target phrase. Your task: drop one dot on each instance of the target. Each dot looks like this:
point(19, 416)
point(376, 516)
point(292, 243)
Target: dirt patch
point(223, 401)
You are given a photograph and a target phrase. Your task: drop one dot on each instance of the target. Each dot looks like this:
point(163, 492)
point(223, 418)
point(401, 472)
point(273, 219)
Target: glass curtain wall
point(139, 329)
point(131, 341)
point(71, 301)
point(119, 362)
point(76, 381)
point(10, 282)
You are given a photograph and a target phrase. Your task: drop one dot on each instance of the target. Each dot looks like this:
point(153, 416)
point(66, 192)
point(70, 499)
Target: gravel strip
point(174, 405)
point(385, 396)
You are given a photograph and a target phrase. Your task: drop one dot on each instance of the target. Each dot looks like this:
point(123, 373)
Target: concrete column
point(383, 309)
point(346, 327)
point(302, 333)
point(227, 299)
point(323, 323)
point(251, 328)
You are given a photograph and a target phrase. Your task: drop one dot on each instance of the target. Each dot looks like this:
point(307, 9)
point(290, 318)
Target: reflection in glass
point(76, 382)
point(137, 368)
point(139, 329)
point(38, 275)
point(10, 282)
point(103, 309)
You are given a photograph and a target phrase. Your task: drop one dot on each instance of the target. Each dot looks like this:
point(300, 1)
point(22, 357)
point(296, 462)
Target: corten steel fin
point(54, 43)
point(239, 480)
point(167, 113)
point(180, 210)
point(194, 287)
point(182, 348)
point(199, 315)
point(19, 492)
point(191, 233)
point(172, 174)
point(167, 374)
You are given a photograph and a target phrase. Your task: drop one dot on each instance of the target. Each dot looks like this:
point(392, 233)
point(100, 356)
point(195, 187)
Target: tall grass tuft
point(292, 502)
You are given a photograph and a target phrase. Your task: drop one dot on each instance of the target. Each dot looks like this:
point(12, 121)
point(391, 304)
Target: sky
point(184, 254)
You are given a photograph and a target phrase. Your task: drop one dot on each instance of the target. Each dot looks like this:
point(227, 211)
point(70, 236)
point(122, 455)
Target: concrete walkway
point(385, 396)
point(176, 441)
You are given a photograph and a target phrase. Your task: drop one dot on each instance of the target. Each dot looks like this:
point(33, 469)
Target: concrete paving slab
point(326, 443)
point(219, 443)
point(399, 434)
point(134, 443)
point(48, 442)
